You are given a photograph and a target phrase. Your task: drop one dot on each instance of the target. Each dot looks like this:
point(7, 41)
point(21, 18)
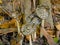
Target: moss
point(1, 43)
point(56, 39)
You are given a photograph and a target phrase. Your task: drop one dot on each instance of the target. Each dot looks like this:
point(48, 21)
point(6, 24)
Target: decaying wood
point(58, 34)
point(58, 26)
point(34, 3)
point(5, 31)
point(48, 37)
point(22, 6)
point(27, 8)
point(13, 42)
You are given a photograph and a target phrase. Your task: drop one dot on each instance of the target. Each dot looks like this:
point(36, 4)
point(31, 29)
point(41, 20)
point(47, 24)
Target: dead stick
point(48, 37)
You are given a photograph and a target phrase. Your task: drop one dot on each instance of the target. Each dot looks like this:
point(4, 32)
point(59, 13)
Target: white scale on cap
point(28, 29)
point(42, 12)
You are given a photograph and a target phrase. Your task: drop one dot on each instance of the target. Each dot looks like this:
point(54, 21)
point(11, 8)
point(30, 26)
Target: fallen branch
point(48, 37)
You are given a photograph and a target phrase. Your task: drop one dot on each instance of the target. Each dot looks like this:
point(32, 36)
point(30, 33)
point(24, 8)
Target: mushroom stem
point(30, 41)
point(34, 36)
point(42, 25)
